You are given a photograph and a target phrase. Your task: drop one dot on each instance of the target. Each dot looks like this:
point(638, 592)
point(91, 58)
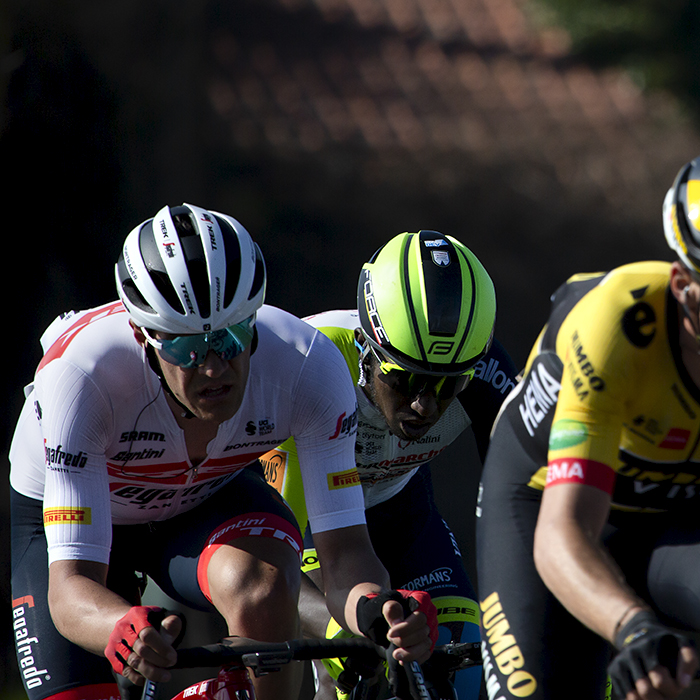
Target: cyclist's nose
point(213, 365)
point(425, 404)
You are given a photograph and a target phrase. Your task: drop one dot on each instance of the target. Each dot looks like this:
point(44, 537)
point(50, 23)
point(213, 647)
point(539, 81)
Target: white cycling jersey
point(98, 442)
point(386, 462)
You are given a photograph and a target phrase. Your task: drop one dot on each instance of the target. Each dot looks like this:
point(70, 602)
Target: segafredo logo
point(26, 644)
point(57, 457)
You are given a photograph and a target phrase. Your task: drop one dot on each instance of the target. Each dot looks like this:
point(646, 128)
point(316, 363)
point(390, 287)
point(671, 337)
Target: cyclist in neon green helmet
point(427, 310)
point(420, 349)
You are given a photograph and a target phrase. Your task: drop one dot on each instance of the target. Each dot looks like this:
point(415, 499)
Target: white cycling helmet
point(189, 270)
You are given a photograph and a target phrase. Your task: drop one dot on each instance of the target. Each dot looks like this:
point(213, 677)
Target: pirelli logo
point(341, 480)
point(67, 516)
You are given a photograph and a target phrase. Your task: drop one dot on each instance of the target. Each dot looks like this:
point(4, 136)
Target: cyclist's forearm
point(83, 609)
point(581, 574)
point(353, 597)
point(312, 609)
point(350, 569)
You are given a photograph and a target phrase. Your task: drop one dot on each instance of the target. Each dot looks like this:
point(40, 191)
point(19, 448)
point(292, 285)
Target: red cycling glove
point(372, 623)
point(125, 633)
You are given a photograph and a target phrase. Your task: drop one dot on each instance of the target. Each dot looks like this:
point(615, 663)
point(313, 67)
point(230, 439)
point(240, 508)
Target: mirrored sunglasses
point(411, 384)
point(191, 350)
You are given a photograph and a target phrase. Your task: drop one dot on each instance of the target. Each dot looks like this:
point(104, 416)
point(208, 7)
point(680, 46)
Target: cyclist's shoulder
point(619, 287)
point(601, 309)
point(98, 341)
point(339, 326)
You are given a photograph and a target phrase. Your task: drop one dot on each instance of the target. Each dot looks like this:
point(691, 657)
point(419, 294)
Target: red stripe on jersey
point(64, 340)
point(580, 471)
point(180, 472)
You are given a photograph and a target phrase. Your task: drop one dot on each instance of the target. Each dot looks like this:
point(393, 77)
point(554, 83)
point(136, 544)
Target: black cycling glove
point(372, 624)
point(643, 644)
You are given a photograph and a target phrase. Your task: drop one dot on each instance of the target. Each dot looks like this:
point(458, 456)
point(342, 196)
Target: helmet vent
point(130, 290)
point(233, 259)
point(259, 276)
point(156, 269)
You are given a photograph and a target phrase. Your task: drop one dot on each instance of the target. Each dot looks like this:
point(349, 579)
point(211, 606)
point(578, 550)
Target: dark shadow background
point(106, 117)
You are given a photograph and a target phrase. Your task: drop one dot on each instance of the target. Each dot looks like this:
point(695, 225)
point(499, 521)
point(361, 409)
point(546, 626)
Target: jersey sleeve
point(75, 420)
point(599, 366)
point(324, 430)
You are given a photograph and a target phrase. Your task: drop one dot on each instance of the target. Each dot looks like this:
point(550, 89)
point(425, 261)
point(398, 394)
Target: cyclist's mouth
point(413, 430)
point(212, 393)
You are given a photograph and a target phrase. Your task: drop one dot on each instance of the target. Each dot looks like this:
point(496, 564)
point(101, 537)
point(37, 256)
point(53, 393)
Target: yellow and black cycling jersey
point(606, 399)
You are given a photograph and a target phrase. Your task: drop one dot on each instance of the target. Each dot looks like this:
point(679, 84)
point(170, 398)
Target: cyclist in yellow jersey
point(419, 349)
point(588, 541)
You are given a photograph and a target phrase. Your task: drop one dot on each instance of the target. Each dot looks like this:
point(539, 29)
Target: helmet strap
point(155, 366)
point(690, 317)
point(364, 351)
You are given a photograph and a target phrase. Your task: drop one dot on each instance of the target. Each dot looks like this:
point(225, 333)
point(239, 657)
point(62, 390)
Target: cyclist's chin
point(216, 409)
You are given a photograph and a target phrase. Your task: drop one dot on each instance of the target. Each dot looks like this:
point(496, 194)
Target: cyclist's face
point(214, 390)
point(409, 414)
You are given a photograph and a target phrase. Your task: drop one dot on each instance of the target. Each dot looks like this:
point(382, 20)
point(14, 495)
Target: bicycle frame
point(230, 684)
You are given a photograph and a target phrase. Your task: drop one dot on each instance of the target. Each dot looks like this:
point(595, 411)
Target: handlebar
point(263, 657)
point(267, 657)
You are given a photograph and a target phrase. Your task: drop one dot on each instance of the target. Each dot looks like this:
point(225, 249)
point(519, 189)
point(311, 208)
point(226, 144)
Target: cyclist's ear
point(138, 334)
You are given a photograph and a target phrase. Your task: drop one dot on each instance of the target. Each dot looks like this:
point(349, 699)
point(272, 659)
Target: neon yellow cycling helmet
point(681, 215)
point(427, 304)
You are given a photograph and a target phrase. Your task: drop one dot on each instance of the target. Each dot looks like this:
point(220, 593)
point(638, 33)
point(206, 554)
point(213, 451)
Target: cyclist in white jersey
point(130, 457)
point(419, 348)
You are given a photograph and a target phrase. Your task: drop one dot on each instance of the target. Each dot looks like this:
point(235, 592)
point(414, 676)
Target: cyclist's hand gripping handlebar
point(644, 644)
point(122, 640)
point(407, 679)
